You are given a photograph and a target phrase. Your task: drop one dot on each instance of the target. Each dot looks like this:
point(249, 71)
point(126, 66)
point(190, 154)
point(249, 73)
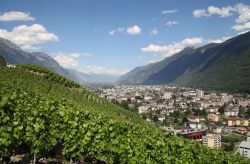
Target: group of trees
point(244, 111)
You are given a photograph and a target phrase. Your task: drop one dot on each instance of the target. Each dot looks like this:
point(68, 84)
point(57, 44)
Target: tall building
point(245, 147)
point(199, 94)
point(212, 140)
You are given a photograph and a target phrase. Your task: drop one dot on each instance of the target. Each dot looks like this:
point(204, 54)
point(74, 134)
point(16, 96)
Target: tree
point(2, 61)
point(155, 118)
point(222, 109)
point(166, 122)
point(174, 97)
point(242, 111)
point(229, 147)
point(158, 111)
point(248, 112)
point(203, 112)
point(188, 112)
point(144, 116)
point(176, 114)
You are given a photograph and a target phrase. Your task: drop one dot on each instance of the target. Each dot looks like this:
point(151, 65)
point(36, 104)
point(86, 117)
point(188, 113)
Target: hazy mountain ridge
point(15, 55)
point(92, 78)
point(220, 66)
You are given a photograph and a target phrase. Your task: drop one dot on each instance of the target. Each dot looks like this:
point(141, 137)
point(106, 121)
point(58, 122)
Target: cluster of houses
point(222, 110)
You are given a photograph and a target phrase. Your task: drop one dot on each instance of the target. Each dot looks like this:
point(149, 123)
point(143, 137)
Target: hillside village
point(194, 114)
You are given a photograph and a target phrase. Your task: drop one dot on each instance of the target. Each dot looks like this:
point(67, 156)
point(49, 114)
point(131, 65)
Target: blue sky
point(115, 36)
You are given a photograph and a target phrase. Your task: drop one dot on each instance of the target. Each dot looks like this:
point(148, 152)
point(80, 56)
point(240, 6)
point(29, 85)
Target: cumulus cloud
point(201, 12)
point(16, 16)
point(171, 49)
point(29, 37)
point(169, 11)
point(134, 30)
point(222, 12)
point(241, 27)
point(242, 10)
point(154, 32)
point(104, 70)
point(66, 61)
point(212, 10)
point(172, 23)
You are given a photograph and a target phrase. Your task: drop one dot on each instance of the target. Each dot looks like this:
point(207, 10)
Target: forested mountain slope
point(224, 66)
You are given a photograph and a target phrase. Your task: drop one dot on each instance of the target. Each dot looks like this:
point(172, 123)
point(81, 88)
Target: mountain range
point(223, 66)
point(15, 55)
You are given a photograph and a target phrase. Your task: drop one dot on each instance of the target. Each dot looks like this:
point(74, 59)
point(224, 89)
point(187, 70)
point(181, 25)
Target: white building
point(245, 147)
point(193, 125)
point(193, 119)
point(212, 140)
point(192, 93)
point(167, 95)
point(231, 113)
point(142, 109)
point(199, 94)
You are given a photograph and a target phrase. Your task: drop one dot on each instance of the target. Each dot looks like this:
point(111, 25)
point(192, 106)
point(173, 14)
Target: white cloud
point(220, 40)
point(244, 13)
point(75, 55)
point(16, 16)
point(241, 27)
point(200, 12)
point(222, 12)
point(212, 10)
point(134, 30)
point(66, 61)
point(112, 32)
point(243, 32)
point(169, 11)
point(78, 54)
point(154, 32)
point(118, 30)
point(171, 49)
point(29, 37)
point(242, 10)
point(104, 70)
point(172, 23)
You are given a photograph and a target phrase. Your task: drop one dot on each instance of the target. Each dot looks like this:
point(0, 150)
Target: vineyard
point(46, 116)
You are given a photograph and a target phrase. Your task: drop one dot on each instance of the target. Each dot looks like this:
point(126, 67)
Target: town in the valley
point(218, 120)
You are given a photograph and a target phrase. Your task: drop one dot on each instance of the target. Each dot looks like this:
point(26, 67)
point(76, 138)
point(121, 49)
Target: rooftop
point(245, 144)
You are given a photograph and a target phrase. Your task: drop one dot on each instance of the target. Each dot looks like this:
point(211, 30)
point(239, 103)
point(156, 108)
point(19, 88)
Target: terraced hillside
point(45, 116)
